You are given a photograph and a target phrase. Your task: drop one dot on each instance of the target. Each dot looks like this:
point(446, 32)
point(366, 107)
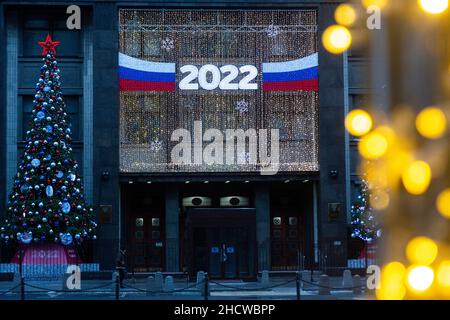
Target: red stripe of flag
point(305, 85)
point(135, 85)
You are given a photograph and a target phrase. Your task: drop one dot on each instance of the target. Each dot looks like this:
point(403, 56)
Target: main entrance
point(221, 242)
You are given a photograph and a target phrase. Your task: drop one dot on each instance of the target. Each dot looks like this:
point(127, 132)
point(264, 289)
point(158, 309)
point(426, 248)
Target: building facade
point(141, 77)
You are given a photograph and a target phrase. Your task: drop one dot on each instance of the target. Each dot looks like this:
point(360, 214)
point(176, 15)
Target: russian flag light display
point(140, 75)
point(295, 75)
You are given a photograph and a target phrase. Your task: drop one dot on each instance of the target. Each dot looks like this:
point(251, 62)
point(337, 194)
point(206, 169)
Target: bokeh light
point(358, 122)
point(434, 6)
point(443, 203)
point(379, 199)
point(421, 250)
point(443, 274)
point(417, 177)
point(378, 3)
point(392, 279)
point(373, 146)
point(345, 15)
point(420, 278)
point(336, 39)
point(431, 123)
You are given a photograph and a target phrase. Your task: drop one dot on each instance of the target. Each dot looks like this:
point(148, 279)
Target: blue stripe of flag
point(131, 74)
point(306, 74)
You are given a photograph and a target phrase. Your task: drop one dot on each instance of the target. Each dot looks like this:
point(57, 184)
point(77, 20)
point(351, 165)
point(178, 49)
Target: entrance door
point(221, 242)
point(145, 242)
point(223, 255)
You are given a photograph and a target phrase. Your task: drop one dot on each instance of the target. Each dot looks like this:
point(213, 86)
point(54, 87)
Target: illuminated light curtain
point(183, 37)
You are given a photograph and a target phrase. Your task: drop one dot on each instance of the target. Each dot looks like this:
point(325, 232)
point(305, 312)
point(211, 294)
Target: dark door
point(145, 243)
point(287, 240)
point(223, 253)
point(221, 242)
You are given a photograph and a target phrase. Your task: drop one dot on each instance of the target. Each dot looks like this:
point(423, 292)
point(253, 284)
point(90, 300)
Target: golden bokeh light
point(392, 279)
point(373, 146)
point(394, 272)
point(391, 291)
point(336, 39)
point(433, 6)
point(443, 274)
point(421, 250)
point(420, 278)
point(379, 199)
point(358, 122)
point(378, 3)
point(443, 203)
point(417, 177)
point(431, 123)
point(345, 15)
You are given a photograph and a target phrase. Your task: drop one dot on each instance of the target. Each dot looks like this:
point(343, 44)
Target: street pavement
point(135, 290)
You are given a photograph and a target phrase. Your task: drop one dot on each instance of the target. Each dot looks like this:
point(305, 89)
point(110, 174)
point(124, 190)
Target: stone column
point(262, 204)
point(172, 229)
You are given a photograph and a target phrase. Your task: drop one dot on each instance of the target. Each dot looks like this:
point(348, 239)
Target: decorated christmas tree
point(365, 226)
point(47, 203)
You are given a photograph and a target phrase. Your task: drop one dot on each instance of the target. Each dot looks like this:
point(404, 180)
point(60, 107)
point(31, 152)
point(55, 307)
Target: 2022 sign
point(211, 77)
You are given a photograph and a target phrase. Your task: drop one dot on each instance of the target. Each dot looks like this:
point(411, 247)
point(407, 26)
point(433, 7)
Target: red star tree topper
point(48, 45)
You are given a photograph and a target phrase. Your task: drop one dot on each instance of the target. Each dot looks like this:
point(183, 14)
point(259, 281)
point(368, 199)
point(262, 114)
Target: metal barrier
point(206, 289)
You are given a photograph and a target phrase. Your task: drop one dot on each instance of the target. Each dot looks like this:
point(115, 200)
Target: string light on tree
point(365, 225)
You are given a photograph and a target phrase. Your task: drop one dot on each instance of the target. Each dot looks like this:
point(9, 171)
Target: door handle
point(224, 253)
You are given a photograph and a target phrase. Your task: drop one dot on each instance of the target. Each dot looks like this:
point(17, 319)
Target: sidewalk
point(135, 290)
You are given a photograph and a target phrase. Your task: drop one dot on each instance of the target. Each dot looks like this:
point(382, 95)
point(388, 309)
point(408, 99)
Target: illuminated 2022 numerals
point(211, 77)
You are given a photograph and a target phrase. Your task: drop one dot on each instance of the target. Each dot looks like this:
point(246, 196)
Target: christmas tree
point(364, 223)
point(47, 202)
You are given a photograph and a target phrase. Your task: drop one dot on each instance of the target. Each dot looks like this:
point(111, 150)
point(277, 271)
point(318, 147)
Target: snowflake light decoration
point(242, 106)
point(167, 44)
point(272, 31)
point(155, 145)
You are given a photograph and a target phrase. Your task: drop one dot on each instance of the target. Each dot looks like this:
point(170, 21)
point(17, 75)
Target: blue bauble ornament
point(40, 115)
point(35, 163)
point(26, 237)
point(72, 177)
point(66, 238)
point(59, 174)
point(49, 191)
point(49, 129)
point(47, 89)
point(48, 157)
point(66, 207)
